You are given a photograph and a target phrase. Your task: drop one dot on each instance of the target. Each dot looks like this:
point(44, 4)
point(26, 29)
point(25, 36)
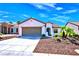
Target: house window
point(55, 30)
point(11, 30)
point(16, 29)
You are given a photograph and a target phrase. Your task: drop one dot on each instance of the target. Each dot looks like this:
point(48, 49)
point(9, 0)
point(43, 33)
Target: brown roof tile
point(74, 23)
point(54, 25)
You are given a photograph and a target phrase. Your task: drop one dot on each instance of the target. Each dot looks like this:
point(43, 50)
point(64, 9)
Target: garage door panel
point(31, 31)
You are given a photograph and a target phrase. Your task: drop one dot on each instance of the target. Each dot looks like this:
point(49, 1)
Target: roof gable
point(74, 23)
point(31, 22)
point(30, 19)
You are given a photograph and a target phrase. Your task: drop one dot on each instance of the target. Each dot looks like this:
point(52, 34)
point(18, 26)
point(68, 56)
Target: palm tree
point(67, 32)
point(63, 32)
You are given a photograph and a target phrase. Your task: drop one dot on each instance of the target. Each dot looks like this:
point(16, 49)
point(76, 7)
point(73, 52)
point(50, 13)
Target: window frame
point(55, 30)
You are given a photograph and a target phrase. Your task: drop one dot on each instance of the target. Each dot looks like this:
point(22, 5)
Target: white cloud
point(70, 11)
point(13, 16)
point(6, 16)
point(50, 4)
point(1, 19)
point(4, 12)
point(43, 5)
point(43, 15)
point(39, 5)
point(62, 19)
point(54, 14)
point(25, 15)
point(59, 8)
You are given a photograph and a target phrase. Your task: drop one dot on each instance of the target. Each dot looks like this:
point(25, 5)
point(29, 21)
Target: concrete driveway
point(18, 46)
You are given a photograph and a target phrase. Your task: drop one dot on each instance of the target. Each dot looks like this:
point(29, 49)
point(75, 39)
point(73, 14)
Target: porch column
point(20, 31)
point(59, 30)
point(43, 30)
point(10, 31)
point(52, 31)
point(7, 30)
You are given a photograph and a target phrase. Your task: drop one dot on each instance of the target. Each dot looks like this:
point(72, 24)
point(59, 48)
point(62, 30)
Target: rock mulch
point(51, 46)
point(5, 37)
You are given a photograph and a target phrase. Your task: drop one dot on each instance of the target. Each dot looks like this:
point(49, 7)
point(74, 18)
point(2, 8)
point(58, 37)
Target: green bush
point(43, 36)
point(56, 35)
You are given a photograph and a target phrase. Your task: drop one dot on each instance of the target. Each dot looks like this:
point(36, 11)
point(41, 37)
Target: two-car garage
point(31, 31)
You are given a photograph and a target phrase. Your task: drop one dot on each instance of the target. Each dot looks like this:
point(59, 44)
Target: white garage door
point(31, 31)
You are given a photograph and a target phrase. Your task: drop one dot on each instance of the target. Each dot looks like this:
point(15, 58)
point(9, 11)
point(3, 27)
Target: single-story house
point(34, 27)
point(74, 26)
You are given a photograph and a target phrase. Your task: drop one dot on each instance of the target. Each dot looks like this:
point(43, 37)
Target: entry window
point(11, 30)
point(16, 29)
point(55, 30)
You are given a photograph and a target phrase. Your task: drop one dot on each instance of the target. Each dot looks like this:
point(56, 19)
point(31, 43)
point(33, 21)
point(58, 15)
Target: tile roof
point(75, 23)
point(54, 25)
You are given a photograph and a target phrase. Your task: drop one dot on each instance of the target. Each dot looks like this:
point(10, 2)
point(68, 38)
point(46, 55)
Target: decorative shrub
point(43, 36)
point(56, 35)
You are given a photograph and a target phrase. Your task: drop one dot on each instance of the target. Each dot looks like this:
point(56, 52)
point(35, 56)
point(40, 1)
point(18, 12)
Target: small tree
point(18, 22)
point(11, 22)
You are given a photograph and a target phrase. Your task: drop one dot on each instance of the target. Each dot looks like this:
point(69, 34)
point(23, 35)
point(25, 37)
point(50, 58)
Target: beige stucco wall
point(31, 23)
point(49, 25)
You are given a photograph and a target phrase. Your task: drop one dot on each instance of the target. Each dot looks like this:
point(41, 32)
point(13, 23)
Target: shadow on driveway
point(30, 37)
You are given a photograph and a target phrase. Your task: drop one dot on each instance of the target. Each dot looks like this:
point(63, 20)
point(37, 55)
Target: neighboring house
point(33, 27)
point(7, 28)
point(74, 26)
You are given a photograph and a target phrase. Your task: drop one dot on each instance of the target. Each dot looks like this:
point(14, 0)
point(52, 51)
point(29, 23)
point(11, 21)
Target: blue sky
point(58, 13)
